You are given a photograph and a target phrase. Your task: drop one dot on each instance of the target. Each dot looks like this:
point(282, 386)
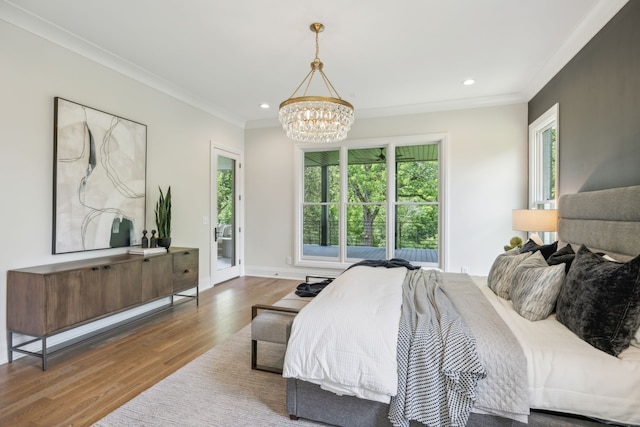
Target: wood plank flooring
point(84, 383)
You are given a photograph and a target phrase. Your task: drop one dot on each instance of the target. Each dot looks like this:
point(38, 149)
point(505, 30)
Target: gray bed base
point(605, 220)
point(309, 401)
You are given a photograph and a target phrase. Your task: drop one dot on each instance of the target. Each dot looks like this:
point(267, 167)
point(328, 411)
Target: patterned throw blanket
point(447, 369)
point(438, 366)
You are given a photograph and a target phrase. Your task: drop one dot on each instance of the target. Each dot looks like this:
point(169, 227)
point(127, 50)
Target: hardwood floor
point(84, 383)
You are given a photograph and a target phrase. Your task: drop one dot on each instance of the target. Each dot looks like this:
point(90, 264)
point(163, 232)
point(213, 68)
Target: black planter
point(164, 242)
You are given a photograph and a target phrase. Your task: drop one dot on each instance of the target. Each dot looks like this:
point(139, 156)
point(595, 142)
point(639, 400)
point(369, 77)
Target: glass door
point(225, 214)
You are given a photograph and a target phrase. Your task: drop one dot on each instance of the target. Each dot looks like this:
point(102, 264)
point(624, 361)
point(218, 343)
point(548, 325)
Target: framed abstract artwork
point(99, 179)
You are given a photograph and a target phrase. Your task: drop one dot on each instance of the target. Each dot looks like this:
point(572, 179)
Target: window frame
point(548, 119)
point(390, 144)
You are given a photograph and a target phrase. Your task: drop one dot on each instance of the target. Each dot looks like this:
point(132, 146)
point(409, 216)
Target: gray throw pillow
point(535, 287)
point(499, 279)
point(600, 301)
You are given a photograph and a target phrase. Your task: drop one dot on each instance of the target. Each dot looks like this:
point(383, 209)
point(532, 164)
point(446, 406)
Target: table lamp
point(534, 221)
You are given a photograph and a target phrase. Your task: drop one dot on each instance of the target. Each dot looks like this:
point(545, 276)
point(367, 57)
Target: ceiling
point(386, 58)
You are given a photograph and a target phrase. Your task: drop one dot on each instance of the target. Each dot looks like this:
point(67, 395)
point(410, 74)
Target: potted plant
point(163, 218)
point(515, 242)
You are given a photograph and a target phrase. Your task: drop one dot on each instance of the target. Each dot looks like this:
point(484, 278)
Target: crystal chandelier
point(319, 119)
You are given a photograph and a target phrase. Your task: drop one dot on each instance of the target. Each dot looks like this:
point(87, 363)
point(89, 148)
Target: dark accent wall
point(598, 93)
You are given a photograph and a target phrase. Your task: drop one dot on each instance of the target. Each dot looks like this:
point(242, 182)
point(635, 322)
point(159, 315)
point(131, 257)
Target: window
point(320, 207)
point(371, 202)
point(367, 203)
point(543, 157)
point(417, 203)
point(543, 161)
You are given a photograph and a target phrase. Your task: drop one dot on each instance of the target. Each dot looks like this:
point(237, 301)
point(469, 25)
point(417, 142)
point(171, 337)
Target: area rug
point(216, 389)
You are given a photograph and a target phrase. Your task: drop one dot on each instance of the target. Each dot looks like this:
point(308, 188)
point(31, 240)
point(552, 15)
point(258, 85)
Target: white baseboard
point(290, 273)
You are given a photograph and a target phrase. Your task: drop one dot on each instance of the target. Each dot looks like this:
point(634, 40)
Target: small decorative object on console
point(147, 251)
point(145, 239)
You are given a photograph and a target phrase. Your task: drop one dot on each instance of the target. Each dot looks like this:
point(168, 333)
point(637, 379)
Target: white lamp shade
point(535, 220)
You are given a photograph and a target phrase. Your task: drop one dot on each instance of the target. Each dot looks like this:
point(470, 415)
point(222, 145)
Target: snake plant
point(163, 214)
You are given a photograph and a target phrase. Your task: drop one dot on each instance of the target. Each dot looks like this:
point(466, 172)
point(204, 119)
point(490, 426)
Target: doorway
point(225, 186)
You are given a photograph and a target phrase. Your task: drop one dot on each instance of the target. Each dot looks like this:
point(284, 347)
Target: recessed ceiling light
point(264, 105)
point(468, 82)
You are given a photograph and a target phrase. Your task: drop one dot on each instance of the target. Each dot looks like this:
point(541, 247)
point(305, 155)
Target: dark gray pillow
point(501, 272)
point(535, 287)
point(546, 250)
point(600, 301)
point(564, 256)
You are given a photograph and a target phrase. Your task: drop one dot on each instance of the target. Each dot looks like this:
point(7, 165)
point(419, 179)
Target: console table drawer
point(185, 270)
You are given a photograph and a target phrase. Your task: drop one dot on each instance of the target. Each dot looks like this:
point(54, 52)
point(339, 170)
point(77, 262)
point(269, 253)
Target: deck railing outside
point(412, 242)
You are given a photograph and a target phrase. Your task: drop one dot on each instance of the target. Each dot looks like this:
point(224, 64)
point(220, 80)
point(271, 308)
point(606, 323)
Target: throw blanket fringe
point(438, 366)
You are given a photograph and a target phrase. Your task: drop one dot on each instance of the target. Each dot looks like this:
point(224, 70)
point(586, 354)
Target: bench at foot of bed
point(272, 324)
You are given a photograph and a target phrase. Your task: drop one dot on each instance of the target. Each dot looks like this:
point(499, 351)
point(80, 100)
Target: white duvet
point(350, 349)
point(566, 374)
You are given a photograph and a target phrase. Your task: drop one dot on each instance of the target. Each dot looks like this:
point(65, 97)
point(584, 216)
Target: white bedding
point(352, 348)
point(568, 375)
point(565, 374)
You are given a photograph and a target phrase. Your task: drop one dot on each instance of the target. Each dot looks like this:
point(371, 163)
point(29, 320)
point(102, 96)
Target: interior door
point(225, 184)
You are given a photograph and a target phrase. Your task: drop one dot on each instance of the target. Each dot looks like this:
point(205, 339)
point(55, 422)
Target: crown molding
point(25, 20)
point(597, 18)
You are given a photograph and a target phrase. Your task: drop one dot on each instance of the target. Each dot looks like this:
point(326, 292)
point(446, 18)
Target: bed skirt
point(309, 401)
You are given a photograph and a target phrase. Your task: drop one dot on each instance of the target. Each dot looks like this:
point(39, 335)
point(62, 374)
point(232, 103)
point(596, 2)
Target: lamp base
point(536, 239)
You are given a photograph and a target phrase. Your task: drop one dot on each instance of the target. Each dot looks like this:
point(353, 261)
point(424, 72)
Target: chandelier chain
point(317, 47)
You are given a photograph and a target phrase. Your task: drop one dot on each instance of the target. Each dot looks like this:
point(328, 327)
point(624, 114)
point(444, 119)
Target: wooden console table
point(45, 300)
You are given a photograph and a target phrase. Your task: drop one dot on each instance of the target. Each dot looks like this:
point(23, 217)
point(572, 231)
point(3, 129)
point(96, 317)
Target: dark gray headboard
point(604, 220)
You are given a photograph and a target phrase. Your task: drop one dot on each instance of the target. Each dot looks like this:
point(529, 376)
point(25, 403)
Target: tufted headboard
point(605, 220)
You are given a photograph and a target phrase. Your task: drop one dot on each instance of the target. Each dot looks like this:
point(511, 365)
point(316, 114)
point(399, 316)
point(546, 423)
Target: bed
point(572, 376)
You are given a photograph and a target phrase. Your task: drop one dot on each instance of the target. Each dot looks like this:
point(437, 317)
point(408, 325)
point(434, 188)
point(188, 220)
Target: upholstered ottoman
point(272, 324)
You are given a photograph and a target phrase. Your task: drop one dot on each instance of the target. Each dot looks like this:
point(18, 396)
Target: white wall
point(487, 168)
point(487, 178)
point(32, 72)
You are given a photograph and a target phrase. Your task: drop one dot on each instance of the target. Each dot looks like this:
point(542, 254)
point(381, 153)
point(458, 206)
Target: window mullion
point(342, 251)
point(391, 200)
